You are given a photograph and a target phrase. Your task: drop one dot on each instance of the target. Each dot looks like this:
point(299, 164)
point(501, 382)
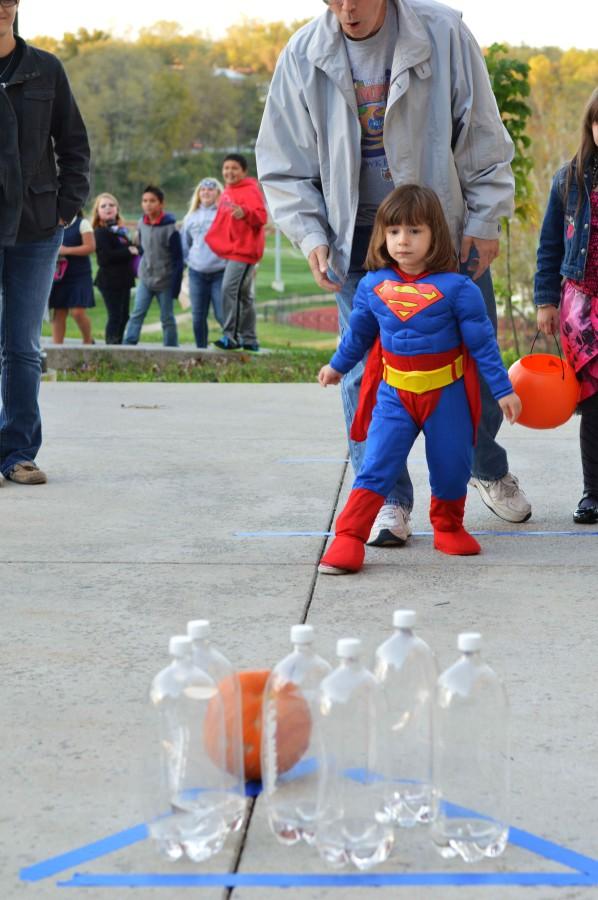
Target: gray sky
point(514, 21)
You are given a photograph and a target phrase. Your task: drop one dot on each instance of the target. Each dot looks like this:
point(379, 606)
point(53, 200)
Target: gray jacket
point(442, 129)
point(196, 253)
point(161, 267)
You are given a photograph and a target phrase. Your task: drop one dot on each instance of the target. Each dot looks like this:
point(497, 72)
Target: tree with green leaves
point(510, 82)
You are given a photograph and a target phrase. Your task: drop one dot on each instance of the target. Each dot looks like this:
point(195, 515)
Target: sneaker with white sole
point(392, 527)
point(504, 497)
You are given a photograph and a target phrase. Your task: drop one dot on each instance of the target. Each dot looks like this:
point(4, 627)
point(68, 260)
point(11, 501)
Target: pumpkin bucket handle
point(531, 350)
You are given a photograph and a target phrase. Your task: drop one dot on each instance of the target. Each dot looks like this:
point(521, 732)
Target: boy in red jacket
point(237, 235)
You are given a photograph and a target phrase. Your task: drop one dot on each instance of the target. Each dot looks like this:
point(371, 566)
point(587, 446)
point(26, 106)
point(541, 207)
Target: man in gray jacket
point(370, 95)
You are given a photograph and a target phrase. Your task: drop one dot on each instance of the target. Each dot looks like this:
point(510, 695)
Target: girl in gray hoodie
point(205, 268)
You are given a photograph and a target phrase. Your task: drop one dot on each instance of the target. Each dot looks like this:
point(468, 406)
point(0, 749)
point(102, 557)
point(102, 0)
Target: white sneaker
point(504, 497)
point(391, 528)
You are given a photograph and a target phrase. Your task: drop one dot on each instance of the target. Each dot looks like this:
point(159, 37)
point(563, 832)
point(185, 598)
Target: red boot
point(450, 537)
point(353, 526)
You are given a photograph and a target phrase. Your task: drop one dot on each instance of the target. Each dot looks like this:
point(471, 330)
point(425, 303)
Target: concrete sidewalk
point(140, 528)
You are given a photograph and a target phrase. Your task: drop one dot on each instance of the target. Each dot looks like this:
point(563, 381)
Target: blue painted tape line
point(275, 880)
point(514, 533)
point(310, 459)
point(84, 854)
point(517, 534)
point(253, 788)
point(554, 852)
point(535, 844)
point(271, 534)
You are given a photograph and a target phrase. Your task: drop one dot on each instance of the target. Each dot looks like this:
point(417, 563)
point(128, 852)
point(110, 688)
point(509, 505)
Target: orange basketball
point(547, 388)
point(293, 717)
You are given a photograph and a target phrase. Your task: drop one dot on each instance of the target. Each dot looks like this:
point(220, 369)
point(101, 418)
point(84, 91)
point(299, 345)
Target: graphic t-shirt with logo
point(371, 64)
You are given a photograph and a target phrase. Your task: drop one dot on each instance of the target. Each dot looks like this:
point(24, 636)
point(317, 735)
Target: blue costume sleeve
point(478, 336)
point(360, 335)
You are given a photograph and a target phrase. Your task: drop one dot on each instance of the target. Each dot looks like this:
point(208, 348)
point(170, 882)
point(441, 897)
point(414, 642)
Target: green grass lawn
point(277, 367)
point(298, 283)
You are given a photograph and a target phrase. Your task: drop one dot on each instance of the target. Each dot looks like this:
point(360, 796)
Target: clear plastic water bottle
point(471, 758)
point(193, 785)
point(406, 668)
point(210, 660)
point(290, 739)
point(353, 824)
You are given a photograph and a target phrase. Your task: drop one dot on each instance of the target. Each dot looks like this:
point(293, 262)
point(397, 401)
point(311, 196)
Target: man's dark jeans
point(26, 273)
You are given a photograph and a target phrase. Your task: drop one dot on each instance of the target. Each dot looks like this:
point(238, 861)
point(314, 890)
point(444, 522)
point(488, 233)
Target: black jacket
point(44, 152)
point(115, 263)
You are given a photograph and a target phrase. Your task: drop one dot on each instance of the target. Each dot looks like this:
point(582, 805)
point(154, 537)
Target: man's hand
point(487, 251)
point(548, 320)
point(327, 375)
point(318, 263)
point(511, 407)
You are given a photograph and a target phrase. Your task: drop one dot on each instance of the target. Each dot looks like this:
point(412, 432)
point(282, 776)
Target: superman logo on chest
point(406, 300)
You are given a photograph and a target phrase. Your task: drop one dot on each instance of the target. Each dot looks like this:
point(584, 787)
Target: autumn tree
point(253, 47)
point(509, 79)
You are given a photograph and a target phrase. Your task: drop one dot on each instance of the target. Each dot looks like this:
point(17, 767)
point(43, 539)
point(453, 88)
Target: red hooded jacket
point(241, 240)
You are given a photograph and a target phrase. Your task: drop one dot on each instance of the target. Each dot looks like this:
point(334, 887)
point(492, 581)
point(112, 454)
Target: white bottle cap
point(198, 628)
point(469, 641)
point(179, 645)
point(348, 648)
point(302, 634)
point(404, 618)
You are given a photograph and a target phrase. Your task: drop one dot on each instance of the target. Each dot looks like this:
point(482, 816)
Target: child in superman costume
point(428, 332)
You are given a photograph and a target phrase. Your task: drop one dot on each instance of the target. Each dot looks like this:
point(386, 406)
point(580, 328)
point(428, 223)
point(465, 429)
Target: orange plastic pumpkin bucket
point(547, 387)
point(294, 720)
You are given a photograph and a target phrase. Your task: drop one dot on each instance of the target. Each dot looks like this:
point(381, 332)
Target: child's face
point(208, 196)
point(151, 206)
point(232, 172)
point(107, 210)
point(409, 246)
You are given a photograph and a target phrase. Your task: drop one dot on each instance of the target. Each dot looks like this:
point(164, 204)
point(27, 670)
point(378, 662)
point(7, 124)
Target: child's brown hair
point(412, 204)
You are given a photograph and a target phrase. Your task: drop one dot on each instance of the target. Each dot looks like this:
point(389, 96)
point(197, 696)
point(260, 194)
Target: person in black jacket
point(44, 180)
point(116, 256)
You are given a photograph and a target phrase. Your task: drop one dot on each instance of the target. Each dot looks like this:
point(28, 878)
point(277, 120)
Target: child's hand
point(328, 375)
point(511, 407)
point(548, 320)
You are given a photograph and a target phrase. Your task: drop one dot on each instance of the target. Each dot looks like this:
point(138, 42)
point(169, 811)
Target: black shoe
point(226, 344)
point(253, 348)
point(587, 510)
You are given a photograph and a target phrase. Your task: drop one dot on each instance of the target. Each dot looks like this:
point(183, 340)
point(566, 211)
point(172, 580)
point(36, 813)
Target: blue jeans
point(489, 459)
point(26, 273)
point(143, 298)
point(204, 287)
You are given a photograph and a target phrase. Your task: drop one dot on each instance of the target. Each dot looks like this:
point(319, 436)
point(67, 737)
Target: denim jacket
point(564, 238)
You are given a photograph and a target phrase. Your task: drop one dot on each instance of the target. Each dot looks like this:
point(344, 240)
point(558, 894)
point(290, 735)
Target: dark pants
point(26, 272)
point(588, 436)
point(204, 288)
point(117, 304)
point(238, 303)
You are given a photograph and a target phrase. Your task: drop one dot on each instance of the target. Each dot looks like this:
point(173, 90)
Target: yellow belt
point(418, 382)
